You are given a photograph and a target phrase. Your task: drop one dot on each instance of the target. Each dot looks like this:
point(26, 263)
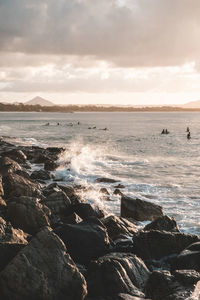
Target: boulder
point(42, 270)
point(50, 165)
point(41, 175)
point(85, 241)
point(139, 210)
point(16, 154)
point(117, 226)
point(117, 273)
point(165, 223)
point(60, 206)
point(156, 244)
point(27, 213)
point(86, 210)
point(106, 180)
point(119, 186)
point(16, 186)
point(8, 166)
point(189, 258)
point(163, 285)
point(104, 191)
point(117, 192)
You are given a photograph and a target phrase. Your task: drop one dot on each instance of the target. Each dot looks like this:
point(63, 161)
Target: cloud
point(136, 33)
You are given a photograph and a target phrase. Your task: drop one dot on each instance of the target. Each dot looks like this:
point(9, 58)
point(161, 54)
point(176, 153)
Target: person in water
point(188, 135)
point(163, 131)
point(188, 129)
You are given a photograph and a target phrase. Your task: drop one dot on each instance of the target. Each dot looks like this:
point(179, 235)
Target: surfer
point(188, 136)
point(188, 129)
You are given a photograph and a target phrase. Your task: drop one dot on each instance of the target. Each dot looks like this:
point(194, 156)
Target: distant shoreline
point(90, 108)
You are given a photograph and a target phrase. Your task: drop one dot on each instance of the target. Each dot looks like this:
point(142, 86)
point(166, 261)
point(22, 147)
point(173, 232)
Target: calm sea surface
point(163, 169)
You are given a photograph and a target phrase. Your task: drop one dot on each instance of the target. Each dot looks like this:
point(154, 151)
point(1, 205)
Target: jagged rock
point(117, 273)
point(139, 210)
point(50, 165)
point(118, 226)
point(41, 175)
point(1, 188)
point(60, 206)
point(104, 191)
point(16, 154)
point(85, 241)
point(7, 166)
point(106, 180)
point(42, 270)
point(163, 285)
point(27, 213)
point(86, 210)
point(156, 244)
point(16, 185)
point(189, 258)
point(163, 223)
point(117, 192)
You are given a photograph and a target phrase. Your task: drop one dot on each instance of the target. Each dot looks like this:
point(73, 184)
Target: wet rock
point(85, 241)
point(16, 185)
point(86, 210)
point(117, 192)
point(117, 273)
point(7, 166)
point(60, 206)
point(104, 191)
point(50, 165)
point(27, 213)
point(119, 186)
point(163, 285)
point(163, 223)
point(139, 210)
point(106, 180)
point(72, 219)
point(1, 187)
point(118, 226)
point(44, 271)
point(156, 244)
point(189, 258)
point(16, 154)
point(41, 175)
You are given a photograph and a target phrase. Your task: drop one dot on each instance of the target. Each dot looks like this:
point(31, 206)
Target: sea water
point(163, 169)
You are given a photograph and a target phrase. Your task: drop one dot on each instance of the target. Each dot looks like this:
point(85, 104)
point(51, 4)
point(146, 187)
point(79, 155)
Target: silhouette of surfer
point(188, 129)
point(189, 136)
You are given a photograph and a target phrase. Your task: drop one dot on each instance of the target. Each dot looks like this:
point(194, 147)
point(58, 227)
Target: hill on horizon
point(192, 104)
point(39, 101)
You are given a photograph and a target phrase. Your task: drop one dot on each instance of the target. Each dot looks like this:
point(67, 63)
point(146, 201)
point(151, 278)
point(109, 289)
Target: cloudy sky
point(100, 51)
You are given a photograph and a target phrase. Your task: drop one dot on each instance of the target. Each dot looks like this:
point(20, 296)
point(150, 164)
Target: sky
point(124, 52)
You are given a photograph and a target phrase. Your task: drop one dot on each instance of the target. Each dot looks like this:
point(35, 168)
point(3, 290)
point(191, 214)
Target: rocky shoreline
point(55, 246)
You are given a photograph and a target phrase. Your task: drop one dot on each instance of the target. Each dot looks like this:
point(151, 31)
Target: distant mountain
point(192, 104)
point(39, 101)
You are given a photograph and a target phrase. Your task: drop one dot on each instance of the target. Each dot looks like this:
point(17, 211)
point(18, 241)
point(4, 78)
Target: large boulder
point(165, 223)
point(117, 273)
point(189, 258)
point(8, 166)
point(27, 213)
point(16, 186)
point(42, 270)
point(16, 154)
point(165, 286)
point(139, 210)
point(86, 210)
point(60, 206)
point(85, 241)
point(117, 226)
point(156, 244)
point(41, 175)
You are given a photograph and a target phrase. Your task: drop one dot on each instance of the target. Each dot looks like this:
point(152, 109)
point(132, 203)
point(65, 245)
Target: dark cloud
point(127, 33)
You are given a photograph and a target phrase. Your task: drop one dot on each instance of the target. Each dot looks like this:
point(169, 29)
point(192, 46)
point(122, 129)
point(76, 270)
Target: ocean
point(163, 169)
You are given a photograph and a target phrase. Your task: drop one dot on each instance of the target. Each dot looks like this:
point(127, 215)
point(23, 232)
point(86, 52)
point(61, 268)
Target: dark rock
point(139, 210)
point(106, 180)
point(27, 213)
point(117, 192)
point(156, 244)
point(189, 258)
point(104, 191)
point(119, 186)
point(44, 271)
point(16, 155)
point(50, 165)
point(118, 226)
point(187, 277)
point(1, 187)
point(163, 223)
point(86, 210)
point(163, 285)
point(16, 185)
point(72, 219)
point(85, 241)
point(42, 175)
point(117, 273)
point(60, 206)
point(7, 166)
point(23, 174)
